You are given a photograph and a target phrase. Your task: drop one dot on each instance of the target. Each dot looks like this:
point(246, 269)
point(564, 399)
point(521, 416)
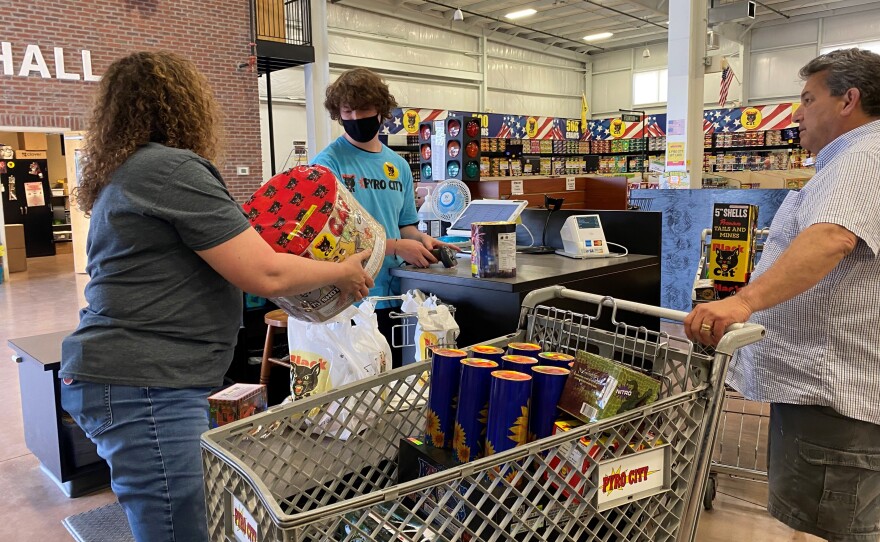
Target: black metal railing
point(283, 21)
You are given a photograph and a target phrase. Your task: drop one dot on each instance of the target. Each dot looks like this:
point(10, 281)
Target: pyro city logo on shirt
point(391, 171)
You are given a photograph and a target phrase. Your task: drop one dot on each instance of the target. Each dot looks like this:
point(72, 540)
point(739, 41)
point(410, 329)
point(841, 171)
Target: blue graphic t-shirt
point(382, 183)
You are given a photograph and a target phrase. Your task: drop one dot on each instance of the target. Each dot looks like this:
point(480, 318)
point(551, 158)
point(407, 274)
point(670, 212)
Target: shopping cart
point(281, 476)
point(741, 444)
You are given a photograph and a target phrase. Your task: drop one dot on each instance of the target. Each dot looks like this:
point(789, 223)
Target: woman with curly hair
point(169, 252)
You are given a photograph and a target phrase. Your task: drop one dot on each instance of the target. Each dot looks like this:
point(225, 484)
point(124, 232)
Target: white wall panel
point(611, 91)
point(503, 74)
point(615, 60)
point(851, 28)
point(518, 103)
point(289, 83)
point(433, 95)
point(659, 58)
point(504, 51)
point(774, 74)
point(790, 33)
point(289, 125)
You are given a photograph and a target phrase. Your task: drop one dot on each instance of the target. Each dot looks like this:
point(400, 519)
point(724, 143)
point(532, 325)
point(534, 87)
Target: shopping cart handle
point(738, 335)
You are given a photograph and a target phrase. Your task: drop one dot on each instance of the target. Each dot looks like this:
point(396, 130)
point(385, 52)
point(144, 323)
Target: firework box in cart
point(308, 212)
point(600, 388)
point(235, 403)
point(572, 461)
point(417, 459)
point(733, 247)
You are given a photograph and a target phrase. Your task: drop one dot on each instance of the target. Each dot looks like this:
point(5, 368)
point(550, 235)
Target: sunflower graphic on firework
point(459, 444)
point(432, 429)
point(519, 432)
point(490, 450)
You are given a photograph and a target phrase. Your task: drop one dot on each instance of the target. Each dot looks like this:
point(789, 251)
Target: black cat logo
point(305, 379)
point(411, 117)
point(254, 213)
point(291, 184)
point(531, 126)
point(392, 171)
point(301, 214)
point(348, 181)
point(309, 233)
point(727, 261)
point(270, 191)
point(314, 175)
point(258, 228)
point(297, 199)
point(249, 201)
point(326, 208)
point(320, 192)
point(751, 117)
point(325, 246)
point(282, 241)
point(278, 223)
point(275, 207)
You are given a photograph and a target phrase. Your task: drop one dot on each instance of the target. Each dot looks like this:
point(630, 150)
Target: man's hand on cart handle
point(707, 322)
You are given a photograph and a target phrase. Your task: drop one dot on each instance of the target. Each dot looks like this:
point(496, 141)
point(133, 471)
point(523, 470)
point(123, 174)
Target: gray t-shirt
point(157, 314)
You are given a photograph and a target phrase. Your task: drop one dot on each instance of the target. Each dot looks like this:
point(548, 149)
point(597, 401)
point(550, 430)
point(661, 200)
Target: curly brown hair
point(359, 88)
point(146, 97)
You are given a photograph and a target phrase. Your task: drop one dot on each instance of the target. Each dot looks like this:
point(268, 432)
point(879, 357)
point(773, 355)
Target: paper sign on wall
point(33, 193)
point(516, 188)
point(675, 154)
point(569, 183)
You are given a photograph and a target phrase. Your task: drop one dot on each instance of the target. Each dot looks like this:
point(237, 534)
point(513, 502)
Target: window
point(873, 46)
point(650, 87)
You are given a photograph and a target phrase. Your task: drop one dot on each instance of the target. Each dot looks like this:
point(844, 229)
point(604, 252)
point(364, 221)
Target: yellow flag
point(584, 109)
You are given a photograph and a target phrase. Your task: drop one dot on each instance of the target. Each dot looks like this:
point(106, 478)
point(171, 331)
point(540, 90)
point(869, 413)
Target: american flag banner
point(768, 117)
point(525, 127)
point(406, 120)
point(726, 78)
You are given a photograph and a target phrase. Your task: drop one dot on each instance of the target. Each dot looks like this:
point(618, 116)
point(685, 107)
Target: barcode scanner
point(446, 255)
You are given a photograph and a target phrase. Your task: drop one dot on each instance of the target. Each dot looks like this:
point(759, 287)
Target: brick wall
point(213, 34)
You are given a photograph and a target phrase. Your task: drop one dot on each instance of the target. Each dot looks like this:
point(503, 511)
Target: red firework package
point(306, 211)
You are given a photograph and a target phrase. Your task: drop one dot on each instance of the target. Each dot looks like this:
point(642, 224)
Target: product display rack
point(777, 150)
point(410, 153)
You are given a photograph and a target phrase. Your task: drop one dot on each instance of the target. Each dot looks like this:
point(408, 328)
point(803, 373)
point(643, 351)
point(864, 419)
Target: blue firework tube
point(445, 375)
point(547, 384)
point(555, 359)
point(524, 349)
point(484, 351)
point(508, 424)
point(522, 364)
point(473, 408)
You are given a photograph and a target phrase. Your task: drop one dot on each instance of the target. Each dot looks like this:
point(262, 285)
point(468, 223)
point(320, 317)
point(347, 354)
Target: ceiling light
point(521, 13)
point(458, 15)
point(646, 53)
point(599, 36)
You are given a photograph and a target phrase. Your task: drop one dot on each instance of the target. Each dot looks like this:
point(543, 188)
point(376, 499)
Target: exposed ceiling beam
point(653, 6)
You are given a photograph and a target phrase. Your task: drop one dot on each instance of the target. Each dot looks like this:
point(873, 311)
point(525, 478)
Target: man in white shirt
point(816, 290)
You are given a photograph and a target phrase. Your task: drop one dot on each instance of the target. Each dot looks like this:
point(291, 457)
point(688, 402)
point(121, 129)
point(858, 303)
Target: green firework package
point(599, 388)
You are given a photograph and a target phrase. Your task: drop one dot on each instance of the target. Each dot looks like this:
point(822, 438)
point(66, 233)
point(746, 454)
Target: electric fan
point(449, 199)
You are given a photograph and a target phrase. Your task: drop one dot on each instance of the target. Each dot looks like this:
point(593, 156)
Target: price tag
point(516, 188)
point(569, 183)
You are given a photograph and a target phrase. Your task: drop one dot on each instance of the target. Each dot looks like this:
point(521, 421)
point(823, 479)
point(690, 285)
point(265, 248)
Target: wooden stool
point(275, 320)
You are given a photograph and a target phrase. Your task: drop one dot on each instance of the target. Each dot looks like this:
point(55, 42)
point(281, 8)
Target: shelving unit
point(776, 150)
point(410, 153)
point(62, 230)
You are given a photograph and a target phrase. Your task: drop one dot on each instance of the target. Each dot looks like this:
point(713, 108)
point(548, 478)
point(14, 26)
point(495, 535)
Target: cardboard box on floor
point(16, 259)
point(14, 236)
point(791, 179)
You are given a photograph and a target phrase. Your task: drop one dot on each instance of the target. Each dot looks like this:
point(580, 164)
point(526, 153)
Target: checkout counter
point(489, 308)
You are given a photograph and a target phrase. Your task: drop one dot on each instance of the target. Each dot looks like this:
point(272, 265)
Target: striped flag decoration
point(726, 78)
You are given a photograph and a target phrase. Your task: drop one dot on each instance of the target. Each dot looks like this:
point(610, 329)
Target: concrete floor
point(46, 298)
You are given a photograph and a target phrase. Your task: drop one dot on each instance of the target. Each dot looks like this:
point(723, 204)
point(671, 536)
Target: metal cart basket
point(283, 475)
point(741, 444)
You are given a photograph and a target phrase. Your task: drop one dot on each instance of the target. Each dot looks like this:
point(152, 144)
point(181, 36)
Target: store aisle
point(47, 298)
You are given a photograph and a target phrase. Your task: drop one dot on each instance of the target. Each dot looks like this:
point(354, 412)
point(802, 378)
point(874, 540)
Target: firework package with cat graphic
point(599, 388)
point(732, 250)
point(306, 211)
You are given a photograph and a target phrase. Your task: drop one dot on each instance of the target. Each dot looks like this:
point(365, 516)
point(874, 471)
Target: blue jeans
point(150, 438)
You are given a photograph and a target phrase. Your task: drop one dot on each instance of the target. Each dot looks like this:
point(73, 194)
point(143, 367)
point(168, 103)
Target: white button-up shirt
point(823, 346)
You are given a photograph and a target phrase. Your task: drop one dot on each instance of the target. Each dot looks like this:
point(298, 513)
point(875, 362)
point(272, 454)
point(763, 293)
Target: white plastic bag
point(435, 324)
point(325, 356)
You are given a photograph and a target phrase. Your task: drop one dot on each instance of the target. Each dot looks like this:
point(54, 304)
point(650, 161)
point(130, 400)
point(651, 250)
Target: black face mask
point(362, 130)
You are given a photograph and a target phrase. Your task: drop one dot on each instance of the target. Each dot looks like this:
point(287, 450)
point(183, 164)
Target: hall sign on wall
point(33, 62)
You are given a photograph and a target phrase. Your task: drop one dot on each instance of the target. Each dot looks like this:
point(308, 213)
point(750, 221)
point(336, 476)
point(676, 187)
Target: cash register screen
point(486, 211)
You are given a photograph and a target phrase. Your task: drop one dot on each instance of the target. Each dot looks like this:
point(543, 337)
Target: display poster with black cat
point(732, 251)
